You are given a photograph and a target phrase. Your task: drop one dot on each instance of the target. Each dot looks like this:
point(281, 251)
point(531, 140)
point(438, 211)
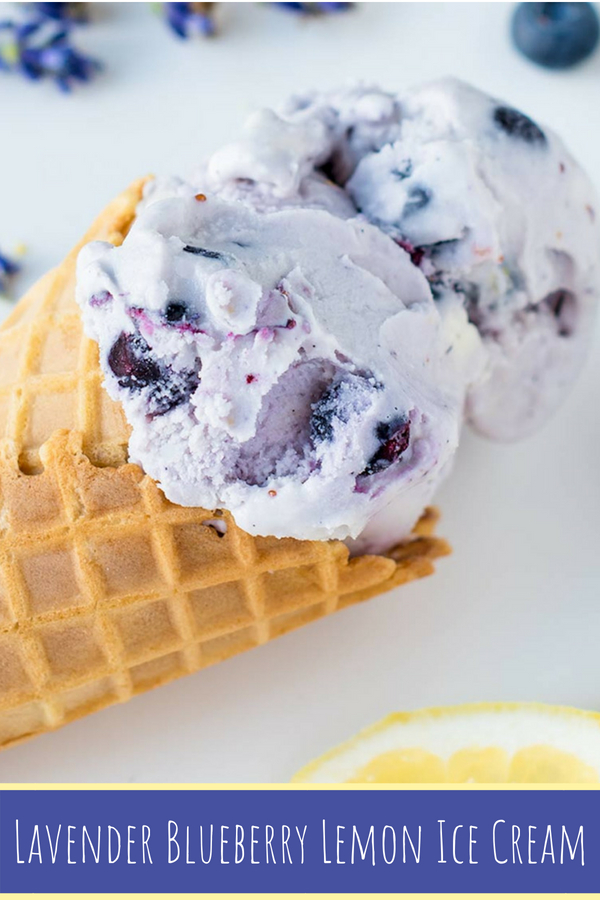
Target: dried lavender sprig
point(61, 12)
point(41, 49)
point(190, 19)
point(307, 9)
point(8, 269)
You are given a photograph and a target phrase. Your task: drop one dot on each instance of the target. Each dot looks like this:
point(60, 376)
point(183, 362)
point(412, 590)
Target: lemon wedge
point(490, 743)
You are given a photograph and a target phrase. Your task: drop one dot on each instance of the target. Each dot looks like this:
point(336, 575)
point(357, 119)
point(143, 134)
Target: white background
point(514, 614)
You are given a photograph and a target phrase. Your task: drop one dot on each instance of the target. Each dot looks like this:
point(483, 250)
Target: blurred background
point(514, 613)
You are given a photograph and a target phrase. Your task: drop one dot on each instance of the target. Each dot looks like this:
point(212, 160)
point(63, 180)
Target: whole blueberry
point(325, 411)
point(131, 362)
point(518, 125)
point(556, 35)
point(175, 312)
point(394, 438)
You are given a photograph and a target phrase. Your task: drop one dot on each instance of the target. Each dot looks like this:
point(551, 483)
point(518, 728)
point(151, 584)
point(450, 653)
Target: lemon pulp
point(480, 744)
point(488, 765)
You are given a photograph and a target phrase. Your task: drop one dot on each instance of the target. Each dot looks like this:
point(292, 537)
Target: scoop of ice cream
point(295, 335)
point(290, 366)
point(500, 216)
point(491, 207)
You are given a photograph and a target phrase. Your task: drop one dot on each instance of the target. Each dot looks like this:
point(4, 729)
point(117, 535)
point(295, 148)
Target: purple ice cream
point(298, 333)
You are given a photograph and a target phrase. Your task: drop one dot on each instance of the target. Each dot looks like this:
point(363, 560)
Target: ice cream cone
point(106, 588)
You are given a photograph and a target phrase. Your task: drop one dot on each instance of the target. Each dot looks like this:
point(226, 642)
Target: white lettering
point(95, 853)
point(325, 860)
point(188, 860)
point(532, 862)
point(20, 862)
point(301, 839)
point(206, 861)
point(54, 850)
point(497, 822)
point(173, 840)
point(224, 862)
point(35, 840)
point(515, 843)
point(130, 843)
point(70, 842)
point(548, 840)
point(459, 861)
point(383, 833)
point(417, 852)
point(145, 840)
point(361, 850)
point(253, 841)
point(111, 828)
point(472, 842)
point(441, 859)
point(239, 843)
point(572, 850)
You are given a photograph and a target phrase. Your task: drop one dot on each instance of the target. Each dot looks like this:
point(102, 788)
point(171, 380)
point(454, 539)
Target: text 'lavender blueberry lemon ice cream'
point(298, 333)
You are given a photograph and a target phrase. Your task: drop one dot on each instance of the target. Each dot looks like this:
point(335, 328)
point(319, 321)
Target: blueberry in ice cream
point(298, 333)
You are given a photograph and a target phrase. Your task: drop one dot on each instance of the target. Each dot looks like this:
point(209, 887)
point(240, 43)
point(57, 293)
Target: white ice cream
point(297, 343)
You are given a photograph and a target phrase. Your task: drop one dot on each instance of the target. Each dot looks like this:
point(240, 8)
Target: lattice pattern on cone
point(106, 588)
point(50, 377)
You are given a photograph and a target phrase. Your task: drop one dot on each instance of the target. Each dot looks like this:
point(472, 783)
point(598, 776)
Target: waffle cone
point(106, 588)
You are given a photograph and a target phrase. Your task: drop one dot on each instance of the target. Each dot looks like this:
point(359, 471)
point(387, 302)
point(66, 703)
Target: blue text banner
point(299, 841)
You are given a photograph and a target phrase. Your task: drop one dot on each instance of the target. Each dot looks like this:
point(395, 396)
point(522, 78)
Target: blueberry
point(518, 125)
point(403, 170)
point(129, 360)
point(344, 399)
point(327, 408)
point(556, 35)
point(172, 389)
point(416, 253)
point(563, 306)
point(394, 438)
point(175, 312)
point(418, 198)
point(202, 251)
point(470, 293)
point(329, 169)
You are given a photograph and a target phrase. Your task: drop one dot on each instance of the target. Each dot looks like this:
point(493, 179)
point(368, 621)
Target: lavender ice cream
point(298, 334)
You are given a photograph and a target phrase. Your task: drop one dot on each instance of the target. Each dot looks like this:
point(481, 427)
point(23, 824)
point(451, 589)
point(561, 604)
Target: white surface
point(514, 614)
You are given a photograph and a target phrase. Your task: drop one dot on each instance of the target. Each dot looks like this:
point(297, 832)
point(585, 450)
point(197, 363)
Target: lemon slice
point(502, 743)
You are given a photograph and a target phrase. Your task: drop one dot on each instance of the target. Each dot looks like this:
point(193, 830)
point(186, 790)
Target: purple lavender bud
point(61, 12)
point(8, 268)
point(308, 9)
point(292, 7)
point(189, 19)
point(333, 7)
point(42, 49)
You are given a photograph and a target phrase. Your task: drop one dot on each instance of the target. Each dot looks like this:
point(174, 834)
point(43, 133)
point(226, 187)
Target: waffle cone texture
point(106, 588)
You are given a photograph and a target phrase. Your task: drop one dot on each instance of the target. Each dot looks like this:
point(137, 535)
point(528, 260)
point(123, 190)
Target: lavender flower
point(41, 49)
point(307, 9)
point(8, 268)
point(189, 19)
point(61, 12)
